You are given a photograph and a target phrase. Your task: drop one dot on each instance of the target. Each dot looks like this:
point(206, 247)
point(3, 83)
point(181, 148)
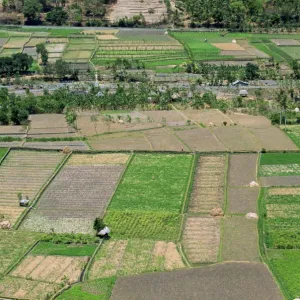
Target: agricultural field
point(279, 164)
point(201, 239)
point(24, 172)
point(77, 195)
point(281, 214)
point(251, 281)
point(209, 184)
point(129, 257)
point(293, 131)
point(90, 290)
point(2, 152)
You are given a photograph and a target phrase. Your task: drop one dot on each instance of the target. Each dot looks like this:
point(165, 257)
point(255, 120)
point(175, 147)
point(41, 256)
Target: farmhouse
point(243, 93)
point(240, 82)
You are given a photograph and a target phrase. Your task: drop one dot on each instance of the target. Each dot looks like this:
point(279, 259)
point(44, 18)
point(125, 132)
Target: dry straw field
point(24, 172)
point(209, 184)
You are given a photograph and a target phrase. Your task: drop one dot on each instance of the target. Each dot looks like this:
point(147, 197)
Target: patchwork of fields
point(159, 209)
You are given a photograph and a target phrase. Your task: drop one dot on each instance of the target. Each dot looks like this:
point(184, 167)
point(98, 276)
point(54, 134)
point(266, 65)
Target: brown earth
point(250, 121)
point(273, 139)
point(237, 138)
point(227, 281)
point(97, 159)
point(200, 139)
point(242, 200)
point(240, 239)
point(229, 46)
point(172, 117)
point(242, 169)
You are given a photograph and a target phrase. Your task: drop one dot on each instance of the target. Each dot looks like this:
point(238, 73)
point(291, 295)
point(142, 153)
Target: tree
point(41, 50)
point(57, 16)
point(31, 10)
point(62, 69)
point(251, 71)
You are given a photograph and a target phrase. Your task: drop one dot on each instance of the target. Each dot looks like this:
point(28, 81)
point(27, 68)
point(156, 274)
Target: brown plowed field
point(201, 239)
point(51, 268)
point(250, 121)
point(242, 200)
point(200, 139)
point(25, 172)
point(165, 140)
point(97, 159)
point(206, 117)
point(237, 138)
point(172, 117)
point(229, 46)
point(120, 141)
point(77, 192)
point(208, 188)
point(227, 281)
point(73, 145)
point(122, 257)
point(242, 169)
point(240, 239)
point(273, 139)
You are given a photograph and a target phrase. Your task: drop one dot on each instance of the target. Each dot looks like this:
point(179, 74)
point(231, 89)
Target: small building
point(243, 93)
point(240, 82)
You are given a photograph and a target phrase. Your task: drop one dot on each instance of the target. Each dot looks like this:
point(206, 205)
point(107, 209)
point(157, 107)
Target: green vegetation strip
point(47, 248)
point(279, 158)
point(3, 153)
point(99, 289)
point(293, 131)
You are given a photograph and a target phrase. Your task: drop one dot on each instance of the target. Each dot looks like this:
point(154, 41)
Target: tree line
point(243, 14)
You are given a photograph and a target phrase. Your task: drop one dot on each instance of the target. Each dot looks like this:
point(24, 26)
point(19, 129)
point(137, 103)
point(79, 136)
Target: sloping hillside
point(154, 11)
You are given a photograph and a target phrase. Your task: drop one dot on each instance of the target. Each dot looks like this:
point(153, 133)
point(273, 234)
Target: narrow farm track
point(201, 239)
point(208, 189)
point(24, 172)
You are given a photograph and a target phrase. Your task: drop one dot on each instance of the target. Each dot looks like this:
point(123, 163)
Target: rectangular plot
point(35, 41)
point(96, 159)
point(237, 138)
point(242, 169)
point(200, 139)
point(242, 200)
point(279, 170)
point(75, 145)
point(280, 181)
point(154, 182)
point(208, 188)
point(16, 42)
point(76, 192)
point(273, 139)
point(169, 117)
point(201, 239)
point(240, 239)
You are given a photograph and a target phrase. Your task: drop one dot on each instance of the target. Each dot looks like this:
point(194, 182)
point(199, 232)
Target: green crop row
point(139, 224)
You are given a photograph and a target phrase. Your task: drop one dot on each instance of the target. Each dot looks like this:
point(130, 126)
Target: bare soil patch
point(167, 117)
point(227, 281)
point(79, 191)
point(208, 188)
point(280, 181)
point(107, 37)
point(242, 200)
point(284, 191)
point(250, 121)
point(201, 239)
point(273, 139)
point(12, 130)
point(242, 169)
point(200, 139)
point(229, 46)
point(207, 117)
point(237, 138)
point(242, 53)
point(120, 141)
point(51, 268)
point(165, 140)
point(240, 239)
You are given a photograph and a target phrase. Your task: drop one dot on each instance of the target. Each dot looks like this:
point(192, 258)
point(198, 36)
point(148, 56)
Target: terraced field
point(201, 239)
point(128, 257)
point(24, 172)
point(209, 184)
point(78, 195)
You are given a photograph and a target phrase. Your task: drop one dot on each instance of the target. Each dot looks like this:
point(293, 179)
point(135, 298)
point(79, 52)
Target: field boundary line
point(220, 250)
point(17, 263)
point(148, 141)
point(182, 141)
point(183, 256)
point(229, 150)
point(225, 205)
point(41, 191)
point(84, 274)
point(262, 247)
point(4, 156)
